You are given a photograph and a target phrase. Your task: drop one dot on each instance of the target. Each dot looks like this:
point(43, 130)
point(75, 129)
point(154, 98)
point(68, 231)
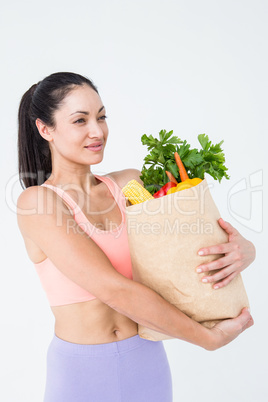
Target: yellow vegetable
point(188, 183)
point(136, 193)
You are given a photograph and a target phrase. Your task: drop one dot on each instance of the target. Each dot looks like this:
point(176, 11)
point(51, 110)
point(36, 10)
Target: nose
point(95, 131)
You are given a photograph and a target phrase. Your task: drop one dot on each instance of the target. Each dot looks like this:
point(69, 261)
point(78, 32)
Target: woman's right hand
point(227, 330)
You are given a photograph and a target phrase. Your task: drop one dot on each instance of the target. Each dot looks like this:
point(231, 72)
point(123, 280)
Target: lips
point(95, 146)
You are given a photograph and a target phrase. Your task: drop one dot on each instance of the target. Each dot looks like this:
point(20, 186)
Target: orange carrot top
point(182, 170)
point(171, 177)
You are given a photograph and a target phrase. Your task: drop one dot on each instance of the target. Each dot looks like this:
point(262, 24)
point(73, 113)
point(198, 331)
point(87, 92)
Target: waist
point(92, 322)
point(115, 347)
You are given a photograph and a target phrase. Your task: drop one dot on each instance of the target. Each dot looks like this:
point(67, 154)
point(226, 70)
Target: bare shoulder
point(33, 198)
point(122, 177)
point(28, 201)
point(35, 201)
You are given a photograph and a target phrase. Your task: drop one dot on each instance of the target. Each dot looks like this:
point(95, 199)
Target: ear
point(44, 130)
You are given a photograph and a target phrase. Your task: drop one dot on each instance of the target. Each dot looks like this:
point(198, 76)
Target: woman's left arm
point(238, 254)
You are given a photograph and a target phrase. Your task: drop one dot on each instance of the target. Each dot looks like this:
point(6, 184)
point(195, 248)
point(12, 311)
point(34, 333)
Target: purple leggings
point(131, 370)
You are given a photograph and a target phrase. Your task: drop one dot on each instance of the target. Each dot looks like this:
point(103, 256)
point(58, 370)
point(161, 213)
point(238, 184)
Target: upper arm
point(43, 217)
point(122, 177)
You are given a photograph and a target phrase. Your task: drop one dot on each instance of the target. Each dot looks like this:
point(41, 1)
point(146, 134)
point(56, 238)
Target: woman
point(73, 225)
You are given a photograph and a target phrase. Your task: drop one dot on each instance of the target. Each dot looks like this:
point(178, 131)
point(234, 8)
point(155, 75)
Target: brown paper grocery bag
point(164, 237)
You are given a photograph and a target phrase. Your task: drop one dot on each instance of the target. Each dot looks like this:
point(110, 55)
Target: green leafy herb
point(209, 159)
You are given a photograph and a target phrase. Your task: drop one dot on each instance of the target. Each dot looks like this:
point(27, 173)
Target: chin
point(96, 160)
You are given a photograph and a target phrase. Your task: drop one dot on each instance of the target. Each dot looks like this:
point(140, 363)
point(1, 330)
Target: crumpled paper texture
point(164, 237)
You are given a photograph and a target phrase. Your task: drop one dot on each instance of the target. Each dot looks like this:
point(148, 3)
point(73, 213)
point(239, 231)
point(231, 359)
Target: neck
point(73, 178)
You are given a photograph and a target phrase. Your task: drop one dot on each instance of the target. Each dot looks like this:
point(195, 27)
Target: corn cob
point(136, 193)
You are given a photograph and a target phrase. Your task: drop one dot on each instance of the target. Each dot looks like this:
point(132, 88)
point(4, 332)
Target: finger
point(248, 324)
point(222, 274)
point(216, 264)
point(245, 319)
point(227, 227)
point(225, 281)
point(216, 249)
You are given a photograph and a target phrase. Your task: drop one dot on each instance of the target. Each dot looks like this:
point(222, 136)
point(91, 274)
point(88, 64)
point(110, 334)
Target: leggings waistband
point(103, 349)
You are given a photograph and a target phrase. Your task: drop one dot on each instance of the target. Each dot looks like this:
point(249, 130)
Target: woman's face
point(81, 131)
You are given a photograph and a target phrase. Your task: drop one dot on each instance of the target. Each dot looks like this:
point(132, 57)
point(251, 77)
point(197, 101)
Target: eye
point(104, 117)
point(79, 121)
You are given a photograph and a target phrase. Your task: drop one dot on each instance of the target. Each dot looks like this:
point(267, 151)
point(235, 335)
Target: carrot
point(171, 177)
point(182, 170)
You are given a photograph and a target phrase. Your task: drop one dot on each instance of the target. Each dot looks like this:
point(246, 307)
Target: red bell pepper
point(163, 190)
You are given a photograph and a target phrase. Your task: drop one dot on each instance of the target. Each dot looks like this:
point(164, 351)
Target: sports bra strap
point(74, 207)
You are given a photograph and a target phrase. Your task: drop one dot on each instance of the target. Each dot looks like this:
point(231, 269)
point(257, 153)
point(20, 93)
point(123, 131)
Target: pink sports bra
point(59, 289)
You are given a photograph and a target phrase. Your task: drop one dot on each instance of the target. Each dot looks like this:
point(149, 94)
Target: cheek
point(70, 142)
point(106, 132)
point(67, 144)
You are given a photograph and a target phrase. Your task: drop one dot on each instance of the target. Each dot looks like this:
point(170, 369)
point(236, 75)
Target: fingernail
point(204, 280)
point(198, 270)
point(216, 287)
point(201, 252)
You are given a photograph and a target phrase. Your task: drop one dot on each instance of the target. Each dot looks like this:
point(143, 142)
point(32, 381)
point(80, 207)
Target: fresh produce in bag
point(165, 232)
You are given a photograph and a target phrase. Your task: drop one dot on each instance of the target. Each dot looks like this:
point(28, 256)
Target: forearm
point(147, 308)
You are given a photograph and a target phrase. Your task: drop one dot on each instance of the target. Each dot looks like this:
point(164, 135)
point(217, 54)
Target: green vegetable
point(209, 159)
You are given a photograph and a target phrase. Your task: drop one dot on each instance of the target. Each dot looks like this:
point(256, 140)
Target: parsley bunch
point(209, 159)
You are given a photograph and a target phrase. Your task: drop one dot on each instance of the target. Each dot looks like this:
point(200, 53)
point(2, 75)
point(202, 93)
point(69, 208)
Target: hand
point(227, 330)
point(239, 253)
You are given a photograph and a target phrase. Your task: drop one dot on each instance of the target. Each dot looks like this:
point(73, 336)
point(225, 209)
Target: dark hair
point(41, 101)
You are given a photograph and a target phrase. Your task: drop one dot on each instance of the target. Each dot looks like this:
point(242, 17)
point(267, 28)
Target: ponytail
point(33, 150)
point(41, 101)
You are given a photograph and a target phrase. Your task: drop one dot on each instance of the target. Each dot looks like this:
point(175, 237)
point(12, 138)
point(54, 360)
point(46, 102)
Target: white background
point(191, 66)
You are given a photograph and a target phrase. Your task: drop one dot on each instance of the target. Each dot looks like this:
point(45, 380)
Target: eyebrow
point(86, 113)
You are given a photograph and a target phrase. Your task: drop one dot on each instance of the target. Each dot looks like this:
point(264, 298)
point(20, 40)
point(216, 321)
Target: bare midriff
point(92, 322)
